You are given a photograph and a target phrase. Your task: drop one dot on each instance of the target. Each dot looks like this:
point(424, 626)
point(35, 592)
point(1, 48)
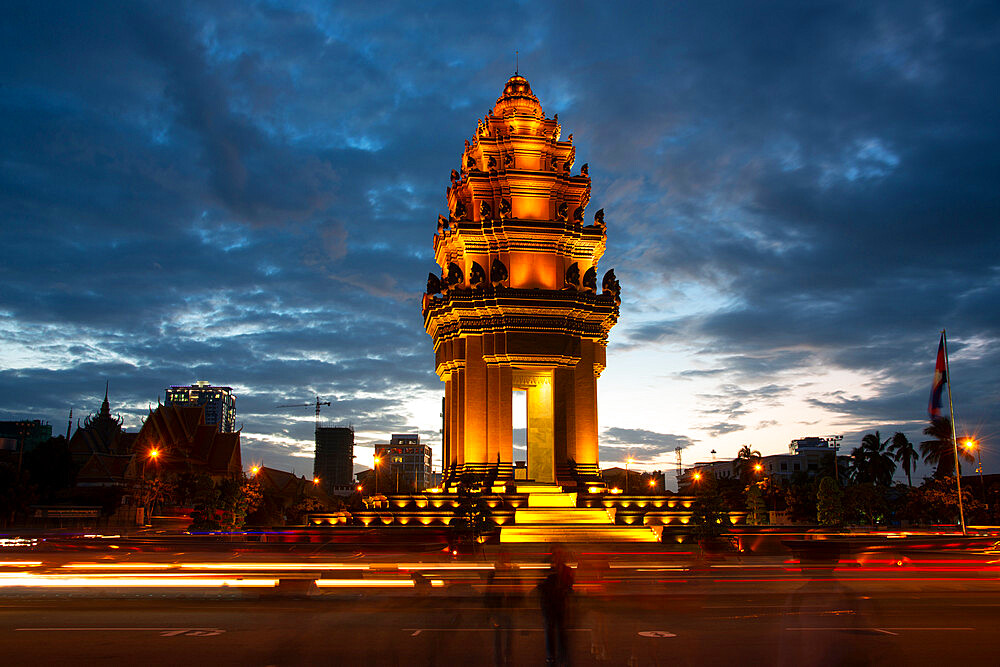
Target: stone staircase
point(552, 516)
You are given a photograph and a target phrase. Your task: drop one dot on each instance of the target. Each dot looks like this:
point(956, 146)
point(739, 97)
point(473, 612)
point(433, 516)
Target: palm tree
point(871, 462)
point(746, 462)
point(940, 451)
point(902, 450)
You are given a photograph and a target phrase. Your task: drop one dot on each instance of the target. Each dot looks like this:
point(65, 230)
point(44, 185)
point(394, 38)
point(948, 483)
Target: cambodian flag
point(940, 377)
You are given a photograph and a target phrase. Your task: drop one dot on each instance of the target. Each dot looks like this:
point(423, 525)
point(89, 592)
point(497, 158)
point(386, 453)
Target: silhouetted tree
point(829, 503)
point(939, 450)
point(871, 463)
point(746, 461)
point(904, 451)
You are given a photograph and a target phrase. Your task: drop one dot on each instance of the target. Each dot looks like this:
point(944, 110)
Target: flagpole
point(954, 437)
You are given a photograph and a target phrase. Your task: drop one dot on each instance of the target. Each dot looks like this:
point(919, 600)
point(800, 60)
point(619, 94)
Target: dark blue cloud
point(246, 193)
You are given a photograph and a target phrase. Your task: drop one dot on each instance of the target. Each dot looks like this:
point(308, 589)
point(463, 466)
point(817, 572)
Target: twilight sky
point(799, 197)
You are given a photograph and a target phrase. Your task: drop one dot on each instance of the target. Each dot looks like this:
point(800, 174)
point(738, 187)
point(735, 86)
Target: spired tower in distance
point(517, 306)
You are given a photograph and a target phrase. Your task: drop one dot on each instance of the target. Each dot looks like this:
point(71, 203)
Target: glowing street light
point(315, 480)
point(254, 470)
point(758, 467)
point(652, 483)
point(377, 461)
point(154, 453)
point(971, 444)
point(697, 476)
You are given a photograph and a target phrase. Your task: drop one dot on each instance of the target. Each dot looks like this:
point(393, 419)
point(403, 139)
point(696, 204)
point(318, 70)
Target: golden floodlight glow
point(697, 476)
point(970, 443)
point(106, 581)
point(315, 480)
point(20, 563)
point(154, 452)
point(254, 470)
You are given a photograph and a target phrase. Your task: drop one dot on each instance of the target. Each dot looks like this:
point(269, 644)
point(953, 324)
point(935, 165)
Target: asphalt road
point(738, 622)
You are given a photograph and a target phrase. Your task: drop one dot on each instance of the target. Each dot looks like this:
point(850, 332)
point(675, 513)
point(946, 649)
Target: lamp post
point(972, 444)
point(375, 468)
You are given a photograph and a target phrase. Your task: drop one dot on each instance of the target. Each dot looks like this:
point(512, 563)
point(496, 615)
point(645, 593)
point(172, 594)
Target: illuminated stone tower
point(516, 307)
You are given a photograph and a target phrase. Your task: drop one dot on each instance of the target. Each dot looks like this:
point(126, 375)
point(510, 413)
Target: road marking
point(414, 632)
point(656, 633)
point(884, 631)
point(164, 632)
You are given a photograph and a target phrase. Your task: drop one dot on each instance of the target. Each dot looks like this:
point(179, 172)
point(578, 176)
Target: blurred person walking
point(501, 588)
point(554, 592)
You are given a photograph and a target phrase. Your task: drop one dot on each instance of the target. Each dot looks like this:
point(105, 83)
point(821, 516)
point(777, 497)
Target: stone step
point(531, 487)
point(577, 534)
point(552, 500)
point(562, 515)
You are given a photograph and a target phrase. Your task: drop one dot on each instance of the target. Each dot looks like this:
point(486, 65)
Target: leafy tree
point(829, 503)
point(936, 501)
point(193, 488)
point(800, 497)
point(903, 451)
point(871, 462)
point(939, 451)
point(756, 509)
point(866, 503)
point(708, 514)
point(472, 513)
point(306, 505)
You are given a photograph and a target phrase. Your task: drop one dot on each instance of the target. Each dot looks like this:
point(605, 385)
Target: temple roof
point(517, 93)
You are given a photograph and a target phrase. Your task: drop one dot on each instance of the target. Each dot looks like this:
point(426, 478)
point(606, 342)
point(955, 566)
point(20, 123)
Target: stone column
point(541, 454)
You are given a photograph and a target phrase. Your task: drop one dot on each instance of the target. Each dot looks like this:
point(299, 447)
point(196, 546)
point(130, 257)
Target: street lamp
point(972, 444)
point(377, 460)
point(315, 480)
point(696, 476)
point(254, 470)
point(627, 461)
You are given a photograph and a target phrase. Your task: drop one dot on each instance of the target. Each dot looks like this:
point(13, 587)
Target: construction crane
point(308, 405)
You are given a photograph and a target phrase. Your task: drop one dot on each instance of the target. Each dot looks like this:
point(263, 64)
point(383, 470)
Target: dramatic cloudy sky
point(799, 197)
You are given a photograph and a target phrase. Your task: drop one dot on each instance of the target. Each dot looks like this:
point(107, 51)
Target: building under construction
point(334, 463)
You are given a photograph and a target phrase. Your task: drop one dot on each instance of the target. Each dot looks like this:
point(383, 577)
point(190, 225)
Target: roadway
point(741, 619)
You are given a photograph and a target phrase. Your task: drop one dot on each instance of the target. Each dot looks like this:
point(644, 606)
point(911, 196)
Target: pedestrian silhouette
point(554, 591)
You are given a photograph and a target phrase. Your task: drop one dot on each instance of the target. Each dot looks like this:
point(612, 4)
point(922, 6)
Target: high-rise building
point(406, 457)
point(334, 463)
point(219, 403)
point(25, 434)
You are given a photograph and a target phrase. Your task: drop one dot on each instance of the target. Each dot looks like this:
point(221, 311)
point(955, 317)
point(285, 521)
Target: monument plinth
point(516, 306)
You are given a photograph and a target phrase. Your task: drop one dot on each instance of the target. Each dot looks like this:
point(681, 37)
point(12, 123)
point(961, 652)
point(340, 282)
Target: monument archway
point(516, 306)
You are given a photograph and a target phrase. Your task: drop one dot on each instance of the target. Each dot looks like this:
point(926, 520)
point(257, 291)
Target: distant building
point(405, 456)
point(103, 450)
point(186, 444)
point(806, 455)
point(219, 403)
point(25, 433)
point(334, 462)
